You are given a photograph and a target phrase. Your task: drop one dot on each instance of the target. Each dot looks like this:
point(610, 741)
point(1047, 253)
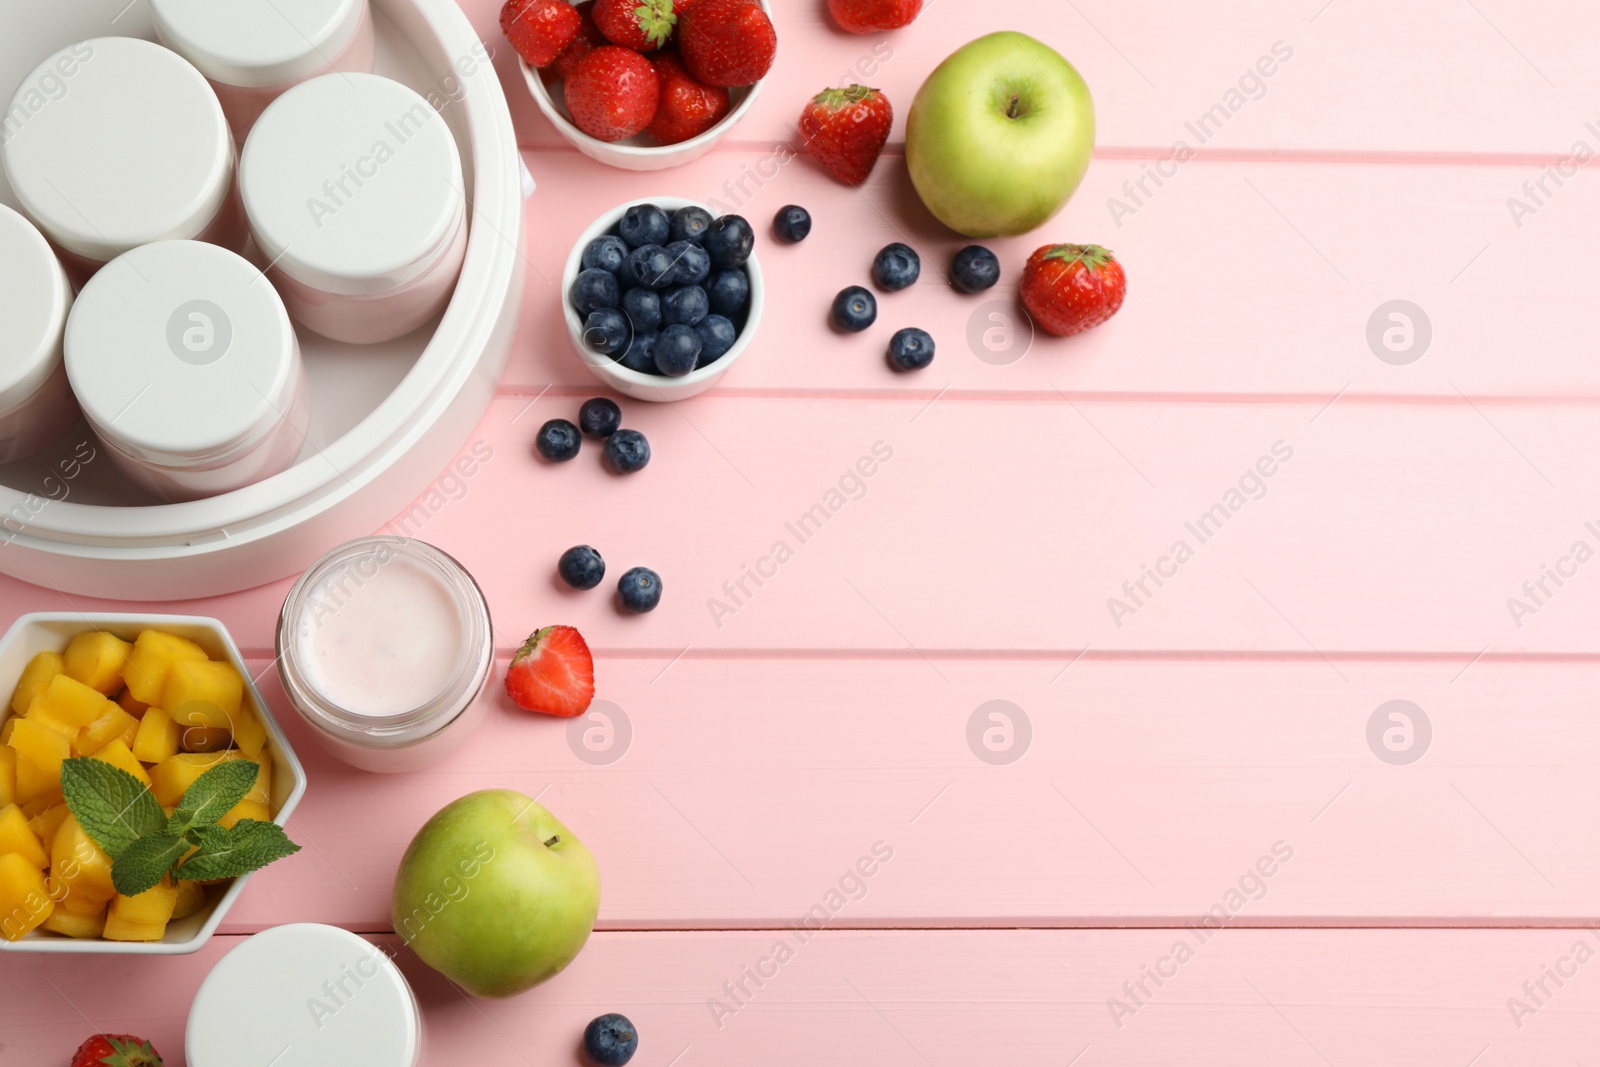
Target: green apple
point(999, 136)
point(495, 893)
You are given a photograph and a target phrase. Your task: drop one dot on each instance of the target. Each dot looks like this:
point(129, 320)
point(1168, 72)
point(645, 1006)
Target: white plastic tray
point(386, 419)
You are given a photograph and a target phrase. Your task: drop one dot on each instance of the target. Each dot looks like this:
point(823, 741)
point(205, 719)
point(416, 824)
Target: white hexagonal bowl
point(41, 632)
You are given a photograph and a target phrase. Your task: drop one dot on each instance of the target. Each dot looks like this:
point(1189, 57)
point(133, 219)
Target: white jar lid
point(181, 353)
point(258, 44)
point(304, 995)
point(352, 183)
point(130, 147)
point(34, 298)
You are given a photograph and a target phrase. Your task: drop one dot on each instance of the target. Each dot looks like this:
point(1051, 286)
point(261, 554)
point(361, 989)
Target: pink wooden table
point(1441, 911)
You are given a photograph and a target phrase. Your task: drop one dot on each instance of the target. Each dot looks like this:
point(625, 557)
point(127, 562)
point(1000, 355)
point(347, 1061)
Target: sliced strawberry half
point(553, 673)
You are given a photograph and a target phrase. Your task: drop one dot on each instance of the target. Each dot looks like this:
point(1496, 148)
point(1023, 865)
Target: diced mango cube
point(47, 822)
point(34, 783)
point(24, 901)
point(114, 725)
point(97, 659)
point(153, 655)
point(133, 707)
point(246, 809)
point(158, 736)
point(80, 872)
point(122, 930)
point(35, 676)
point(153, 907)
point(63, 920)
point(116, 753)
point(249, 733)
point(203, 693)
point(206, 738)
point(172, 777)
point(40, 746)
point(18, 837)
point(8, 774)
point(41, 713)
point(71, 700)
point(191, 898)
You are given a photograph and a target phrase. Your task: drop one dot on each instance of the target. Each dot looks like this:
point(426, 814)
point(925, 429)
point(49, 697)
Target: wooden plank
point(737, 791)
point(1426, 78)
point(1301, 997)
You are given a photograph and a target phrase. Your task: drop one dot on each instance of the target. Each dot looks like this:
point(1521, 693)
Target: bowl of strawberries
point(642, 84)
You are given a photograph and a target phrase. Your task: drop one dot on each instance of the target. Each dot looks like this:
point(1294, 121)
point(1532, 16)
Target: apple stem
point(556, 840)
point(1013, 110)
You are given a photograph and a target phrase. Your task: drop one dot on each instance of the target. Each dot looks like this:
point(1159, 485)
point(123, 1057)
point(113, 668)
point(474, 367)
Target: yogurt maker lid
point(129, 111)
point(181, 353)
point(34, 298)
point(258, 44)
point(352, 183)
point(308, 995)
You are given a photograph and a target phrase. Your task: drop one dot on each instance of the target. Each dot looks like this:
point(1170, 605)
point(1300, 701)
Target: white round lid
point(34, 298)
point(181, 353)
point(115, 142)
point(304, 995)
point(258, 43)
point(352, 183)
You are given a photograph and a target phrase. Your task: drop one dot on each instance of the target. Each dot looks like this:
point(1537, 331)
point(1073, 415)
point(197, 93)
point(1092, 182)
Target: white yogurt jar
point(113, 143)
point(36, 402)
point(252, 51)
point(305, 995)
point(352, 185)
point(188, 369)
point(384, 646)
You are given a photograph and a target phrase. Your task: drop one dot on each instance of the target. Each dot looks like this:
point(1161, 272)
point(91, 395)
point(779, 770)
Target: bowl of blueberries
point(663, 297)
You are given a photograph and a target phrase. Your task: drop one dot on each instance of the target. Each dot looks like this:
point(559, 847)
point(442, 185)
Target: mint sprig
point(122, 816)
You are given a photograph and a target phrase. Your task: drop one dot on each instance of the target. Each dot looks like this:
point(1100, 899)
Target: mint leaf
point(213, 794)
point(227, 853)
point(142, 863)
point(114, 808)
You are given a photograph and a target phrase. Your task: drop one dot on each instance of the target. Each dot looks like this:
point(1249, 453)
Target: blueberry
point(594, 289)
point(639, 590)
point(649, 266)
point(897, 267)
point(910, 349)
point(558, 441)
point(717, 335)
point(610, 1040)
point(689, 224)
point(581, 567)
point(641, 355)
point(644, 224)
point(793, 223)
point(605, 253)
point(691, 264)
point(678, 351)
point(627, 451)
point(599, 417)
point(854, 309)
point(729, 292)
point(606, 331)
point(685, 307)
point(976, 269)
point(643, 308)
point(730, 242)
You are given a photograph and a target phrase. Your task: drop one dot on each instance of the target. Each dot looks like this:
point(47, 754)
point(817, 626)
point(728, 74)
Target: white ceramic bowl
point(385, 419)
point(41, 632)
point(641, 152)
point(654, 387)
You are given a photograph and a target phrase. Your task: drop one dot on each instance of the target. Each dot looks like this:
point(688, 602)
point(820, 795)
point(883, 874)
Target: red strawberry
point(846, 130)
point(688, 108)
point(613, 93)
point(1071, 288)
point(115, 1050)
point(539, 29)
point(870, 16)
point(553, 673)
point(588, 39)
point(642, 25)
point(727, 43)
